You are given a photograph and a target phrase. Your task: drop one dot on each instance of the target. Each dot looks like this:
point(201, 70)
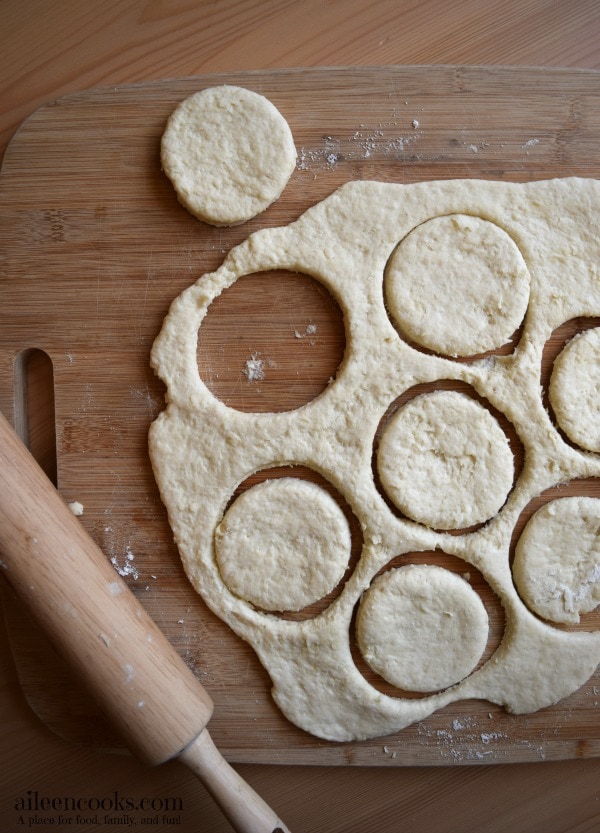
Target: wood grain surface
point(53, 49)
point(96, 246)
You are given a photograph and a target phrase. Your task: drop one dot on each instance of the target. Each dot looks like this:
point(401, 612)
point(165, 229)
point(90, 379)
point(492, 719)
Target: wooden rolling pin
point(94, 620)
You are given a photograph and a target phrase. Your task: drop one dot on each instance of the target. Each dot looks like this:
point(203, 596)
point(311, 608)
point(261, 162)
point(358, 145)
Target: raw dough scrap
point(575, 389)
point(283, 544)
point(432, 295)
point(557, 559)
point(201, 449)
point(421, 627)
point(444, 461)
point(229, 153)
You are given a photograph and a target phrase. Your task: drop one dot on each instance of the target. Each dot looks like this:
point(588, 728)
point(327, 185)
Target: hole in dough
point(283, 544)
point(421, 627)
point(444, 461)
point(229, 154)
point(556, 568)
point(457, 285)
point(288, 351)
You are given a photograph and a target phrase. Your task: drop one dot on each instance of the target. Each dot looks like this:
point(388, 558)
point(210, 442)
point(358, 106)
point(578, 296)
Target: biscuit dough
point(283, 544)
point(444, 461)
point(457, 285)
point(557, 559)
point(421, 627)
point(201, 450)
point(229, 154)
point(575, 389)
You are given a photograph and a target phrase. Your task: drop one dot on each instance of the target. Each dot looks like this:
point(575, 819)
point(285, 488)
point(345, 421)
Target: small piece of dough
point(444, 461)
point(575, 389)
point(557, 559)
point(421, 628)
point(457, 285)
point(283, 544)
point(229, 153)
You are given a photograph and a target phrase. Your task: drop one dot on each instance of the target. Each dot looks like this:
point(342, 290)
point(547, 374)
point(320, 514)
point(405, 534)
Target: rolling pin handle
point(244, 809)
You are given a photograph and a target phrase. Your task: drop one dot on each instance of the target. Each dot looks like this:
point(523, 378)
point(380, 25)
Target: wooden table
point(51, 49)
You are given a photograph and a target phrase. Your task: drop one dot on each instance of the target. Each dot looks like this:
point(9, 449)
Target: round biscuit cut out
point(445, 462)
point(421, 627)
point(557, 560)
point(575, 389)
point(283, 544)
point(457, 285)
point(229, 154)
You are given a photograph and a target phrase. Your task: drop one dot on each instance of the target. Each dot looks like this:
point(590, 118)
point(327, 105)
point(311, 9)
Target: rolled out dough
point(201, 450)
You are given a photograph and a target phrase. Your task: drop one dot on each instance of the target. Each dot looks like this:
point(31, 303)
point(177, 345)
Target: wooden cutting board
point(94, 247)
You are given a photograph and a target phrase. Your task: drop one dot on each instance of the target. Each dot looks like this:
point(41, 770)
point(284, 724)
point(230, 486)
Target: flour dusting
point(363, 143)
point(254, 369)
point(127, 567)
point(310, 330)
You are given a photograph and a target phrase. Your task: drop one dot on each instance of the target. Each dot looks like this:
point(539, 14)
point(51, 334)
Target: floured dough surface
point(421, 627)
point(575, 389)
point(557, 561)
point(445, 462)
point(201, 450)
point(283, 544)
point(229, 153)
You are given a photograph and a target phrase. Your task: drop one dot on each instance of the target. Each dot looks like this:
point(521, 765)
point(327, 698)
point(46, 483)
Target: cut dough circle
point(229, 154)
point(557, 559)
point(575, 389)
point(421, 627)
point(457, 285)
point(444, 461)
point(283, 544)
